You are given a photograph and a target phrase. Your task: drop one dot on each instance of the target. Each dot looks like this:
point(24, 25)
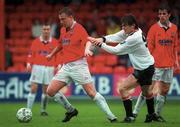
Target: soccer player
point(132, 42)
point(42, 70)
point(162, 43)
point(72, 43)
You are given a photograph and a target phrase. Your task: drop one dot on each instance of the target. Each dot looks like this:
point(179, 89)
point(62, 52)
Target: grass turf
point(89, 115)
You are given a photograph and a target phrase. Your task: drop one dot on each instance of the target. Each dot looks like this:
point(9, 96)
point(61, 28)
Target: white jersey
point(134, 45)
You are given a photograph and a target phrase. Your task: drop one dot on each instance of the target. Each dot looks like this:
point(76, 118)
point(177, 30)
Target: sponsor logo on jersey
point(65, 41)
point(165, 42)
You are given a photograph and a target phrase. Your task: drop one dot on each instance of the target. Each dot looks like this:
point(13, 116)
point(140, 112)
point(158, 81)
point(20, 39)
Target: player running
point(132, 42)
point(73, 41)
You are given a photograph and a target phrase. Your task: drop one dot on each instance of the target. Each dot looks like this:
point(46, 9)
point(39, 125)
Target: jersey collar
point(45, 41)
point(163, 26)
point(73, 24)
point(132, 32)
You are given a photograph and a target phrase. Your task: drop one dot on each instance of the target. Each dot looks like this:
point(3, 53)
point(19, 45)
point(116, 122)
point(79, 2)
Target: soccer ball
point(24, 115)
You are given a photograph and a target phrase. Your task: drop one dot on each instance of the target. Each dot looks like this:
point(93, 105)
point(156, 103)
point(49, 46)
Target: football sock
point(30, 100)
point(101, 102)
point(150, 105)
point(61, 99)
point(128, 107)
point(159, 104)
point(44, 100)
point(140, 101)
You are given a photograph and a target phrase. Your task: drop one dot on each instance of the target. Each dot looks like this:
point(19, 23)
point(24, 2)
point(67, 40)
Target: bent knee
point(91, 94)
point(50, 92)
point(148, 95)
point(123, 89)
point(164, 92)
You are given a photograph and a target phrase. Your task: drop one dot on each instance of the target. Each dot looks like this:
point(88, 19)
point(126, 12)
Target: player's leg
point(35, 79)
point(60, 80)
point(48, 73)
point(144, 78)
point(164, 78)
point(139, 103)
point(128, 84)
point(82, 76)
point(146, 91)
point(44, 100)
point(100, 101)
point(53, 91)
point(160, 99)
point(32, 95)
point(62, 100)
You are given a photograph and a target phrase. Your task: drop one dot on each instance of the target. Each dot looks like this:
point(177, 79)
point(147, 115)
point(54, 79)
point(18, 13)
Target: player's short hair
point(130, 20)
point(46, 24)
point(165, 6)
point(68, 11)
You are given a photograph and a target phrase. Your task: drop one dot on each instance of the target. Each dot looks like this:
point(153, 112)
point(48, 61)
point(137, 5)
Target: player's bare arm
point(28, 67)
point(96, 41)
point(88, 49)
point(54, 51)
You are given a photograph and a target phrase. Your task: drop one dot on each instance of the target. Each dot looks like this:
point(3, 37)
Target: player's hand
point(98, 44)
point(28, 67)
point(88, 52)
point(49, 57)
point(96, 41)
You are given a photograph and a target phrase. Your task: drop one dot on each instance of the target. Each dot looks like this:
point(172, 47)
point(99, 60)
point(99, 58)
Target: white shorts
point(42, 74)
point(163, 74)
point(76, 71)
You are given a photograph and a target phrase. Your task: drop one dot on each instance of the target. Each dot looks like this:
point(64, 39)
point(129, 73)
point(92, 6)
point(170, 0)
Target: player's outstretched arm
point(96, 41)
point(54, 51)
point(88, 49)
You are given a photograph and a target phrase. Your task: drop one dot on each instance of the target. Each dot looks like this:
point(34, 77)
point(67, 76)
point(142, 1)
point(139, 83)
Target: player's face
point(46, 30)
point(65, 20)
point(163, 16)
point(127, 28)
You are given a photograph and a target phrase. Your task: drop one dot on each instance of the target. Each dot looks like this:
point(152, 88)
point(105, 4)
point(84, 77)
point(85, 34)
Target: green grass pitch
point(89, 115)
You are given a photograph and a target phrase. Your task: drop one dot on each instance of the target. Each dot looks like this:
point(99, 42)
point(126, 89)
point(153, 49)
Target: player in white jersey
point(132, 42)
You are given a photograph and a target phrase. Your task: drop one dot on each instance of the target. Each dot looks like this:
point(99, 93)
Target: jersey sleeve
point(176, 45)
point(115, 38)
point(123, 48)
point(151, 39)
point(83, 35)
point(176, 39)
point(32, 53)
point(60, 38)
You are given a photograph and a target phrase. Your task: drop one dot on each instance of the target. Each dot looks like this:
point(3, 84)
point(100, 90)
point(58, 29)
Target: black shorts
point(144, 77)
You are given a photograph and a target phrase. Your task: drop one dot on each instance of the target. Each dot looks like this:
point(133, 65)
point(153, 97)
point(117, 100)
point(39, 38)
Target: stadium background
point(21, 22)
point(18, 18)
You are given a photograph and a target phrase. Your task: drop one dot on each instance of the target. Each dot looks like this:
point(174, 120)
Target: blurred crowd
point(24, 19)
